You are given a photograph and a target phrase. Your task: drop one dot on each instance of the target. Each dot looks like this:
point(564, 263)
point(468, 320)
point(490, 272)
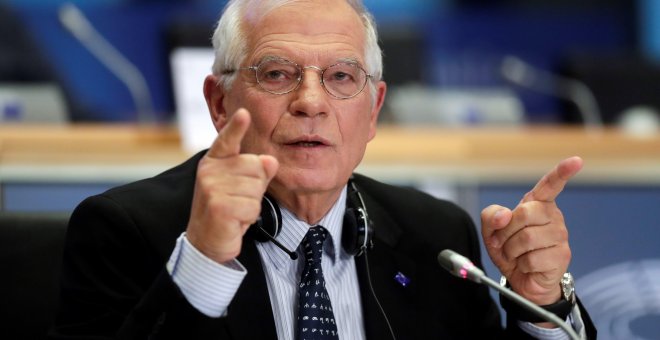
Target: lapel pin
point(402, 279)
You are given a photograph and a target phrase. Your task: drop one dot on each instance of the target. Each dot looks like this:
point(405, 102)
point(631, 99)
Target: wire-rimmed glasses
point(342, 80)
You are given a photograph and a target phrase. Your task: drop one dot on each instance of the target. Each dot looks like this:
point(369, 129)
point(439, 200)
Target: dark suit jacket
point(114, 282)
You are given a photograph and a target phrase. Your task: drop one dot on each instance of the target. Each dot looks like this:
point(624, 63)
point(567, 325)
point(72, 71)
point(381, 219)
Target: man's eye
point(341, 77)
point(274, 75)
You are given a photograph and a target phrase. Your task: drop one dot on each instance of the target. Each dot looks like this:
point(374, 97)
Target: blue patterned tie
point(315, 317)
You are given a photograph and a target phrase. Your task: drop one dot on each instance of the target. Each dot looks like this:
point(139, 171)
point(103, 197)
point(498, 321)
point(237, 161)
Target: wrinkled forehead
point(306, 25)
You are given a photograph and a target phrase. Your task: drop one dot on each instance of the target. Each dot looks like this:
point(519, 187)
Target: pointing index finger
point(552, 184)
point(228, 141)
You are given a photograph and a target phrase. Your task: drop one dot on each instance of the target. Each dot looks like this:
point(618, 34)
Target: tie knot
point(313, 243)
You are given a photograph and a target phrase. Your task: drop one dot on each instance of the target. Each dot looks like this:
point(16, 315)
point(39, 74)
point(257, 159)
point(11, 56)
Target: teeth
point(307, 144)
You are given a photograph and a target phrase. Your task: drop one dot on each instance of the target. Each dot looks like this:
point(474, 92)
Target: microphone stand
point(540, 312)
point(459, 265)
point(76, 23)
point(523, 74)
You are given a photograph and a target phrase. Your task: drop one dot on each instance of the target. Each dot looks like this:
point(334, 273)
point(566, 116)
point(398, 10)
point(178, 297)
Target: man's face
point(318, 139)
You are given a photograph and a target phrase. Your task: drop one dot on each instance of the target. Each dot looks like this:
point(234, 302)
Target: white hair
point(229, 39)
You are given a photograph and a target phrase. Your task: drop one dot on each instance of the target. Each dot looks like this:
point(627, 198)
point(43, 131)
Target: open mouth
point(307, 144)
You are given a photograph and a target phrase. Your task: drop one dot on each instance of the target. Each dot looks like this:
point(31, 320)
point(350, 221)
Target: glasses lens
point(344, 80)
point(278, 76)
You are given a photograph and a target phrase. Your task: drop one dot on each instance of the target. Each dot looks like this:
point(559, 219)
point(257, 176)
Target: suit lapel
point(250, 315)
point(381, 266)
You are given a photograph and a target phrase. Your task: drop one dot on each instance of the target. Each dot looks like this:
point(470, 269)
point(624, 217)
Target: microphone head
point(445, 261)
point(74, 20)
point(459, 265)
point(516, 71)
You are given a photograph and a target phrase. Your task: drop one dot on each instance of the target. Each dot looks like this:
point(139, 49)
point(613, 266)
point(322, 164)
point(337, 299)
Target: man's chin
point(307, 181)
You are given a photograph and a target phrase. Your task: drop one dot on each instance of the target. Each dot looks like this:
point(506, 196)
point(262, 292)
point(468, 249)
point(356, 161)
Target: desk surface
point(83, 153)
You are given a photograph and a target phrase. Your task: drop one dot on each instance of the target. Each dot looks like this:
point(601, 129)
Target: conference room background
point(441, 45)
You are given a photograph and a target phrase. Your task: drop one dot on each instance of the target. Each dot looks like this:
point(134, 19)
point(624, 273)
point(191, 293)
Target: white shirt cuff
point(574, 320)
point(208, 286)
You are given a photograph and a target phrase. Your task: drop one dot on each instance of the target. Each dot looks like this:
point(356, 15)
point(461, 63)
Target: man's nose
point(312, 79)
point(310, 97)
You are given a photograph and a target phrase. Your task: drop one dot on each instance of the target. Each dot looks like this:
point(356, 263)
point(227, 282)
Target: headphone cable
point(373, 293)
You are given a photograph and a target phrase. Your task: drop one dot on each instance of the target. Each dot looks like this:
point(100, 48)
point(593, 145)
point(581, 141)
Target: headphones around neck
point(356, 235)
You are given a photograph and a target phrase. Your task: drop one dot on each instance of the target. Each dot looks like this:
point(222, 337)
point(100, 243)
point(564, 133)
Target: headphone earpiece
point(356, 229)
point(356, 236)
point(269, 223)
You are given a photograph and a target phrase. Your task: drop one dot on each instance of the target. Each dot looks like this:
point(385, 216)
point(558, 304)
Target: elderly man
point(295, 95)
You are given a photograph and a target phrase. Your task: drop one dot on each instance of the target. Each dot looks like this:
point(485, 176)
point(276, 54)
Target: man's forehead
point(304, 17)
point(307, 31)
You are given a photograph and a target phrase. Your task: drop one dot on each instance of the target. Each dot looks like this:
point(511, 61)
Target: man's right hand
point(228, 192)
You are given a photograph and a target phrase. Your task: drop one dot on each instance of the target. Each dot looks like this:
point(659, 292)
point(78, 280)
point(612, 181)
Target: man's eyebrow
point(349, 60)
point(354, 62)
point(267, 58)
point(270, 57)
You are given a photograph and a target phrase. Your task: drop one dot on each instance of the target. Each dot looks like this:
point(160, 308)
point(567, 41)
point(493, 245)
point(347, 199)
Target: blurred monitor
point(32, 103)
point(189, 67)
point(618, 82)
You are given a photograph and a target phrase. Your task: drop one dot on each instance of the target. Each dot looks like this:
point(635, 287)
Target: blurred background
point(533, 73)
point(439, 54)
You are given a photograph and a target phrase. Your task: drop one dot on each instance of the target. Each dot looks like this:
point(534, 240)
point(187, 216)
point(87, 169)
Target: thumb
point(270, 165)
point(493, 218)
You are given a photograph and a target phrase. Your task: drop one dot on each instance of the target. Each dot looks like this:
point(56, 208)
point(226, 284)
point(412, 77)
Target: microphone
point(75, 22)
point(462, 267)
point(525, 75)
point(292, 254)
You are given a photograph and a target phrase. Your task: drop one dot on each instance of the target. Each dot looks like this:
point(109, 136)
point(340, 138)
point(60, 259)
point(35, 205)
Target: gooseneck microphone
point(527, 76)
point(75, 22)
point(462, 267)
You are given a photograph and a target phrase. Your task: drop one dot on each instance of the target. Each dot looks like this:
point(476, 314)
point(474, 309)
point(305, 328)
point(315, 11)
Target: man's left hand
point(529, 244)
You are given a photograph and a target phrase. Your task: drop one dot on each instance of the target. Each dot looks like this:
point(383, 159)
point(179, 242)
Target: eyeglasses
point(342, 80)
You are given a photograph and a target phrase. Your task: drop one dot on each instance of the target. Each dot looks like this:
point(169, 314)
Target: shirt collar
point(294, 230)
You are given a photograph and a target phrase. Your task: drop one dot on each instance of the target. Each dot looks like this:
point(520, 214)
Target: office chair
point(30, 257)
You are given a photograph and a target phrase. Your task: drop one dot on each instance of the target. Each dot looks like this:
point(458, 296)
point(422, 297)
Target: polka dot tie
point(315, 317)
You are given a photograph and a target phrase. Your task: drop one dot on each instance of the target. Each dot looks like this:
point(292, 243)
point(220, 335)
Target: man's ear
point(381, 89)
point(215, 94)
